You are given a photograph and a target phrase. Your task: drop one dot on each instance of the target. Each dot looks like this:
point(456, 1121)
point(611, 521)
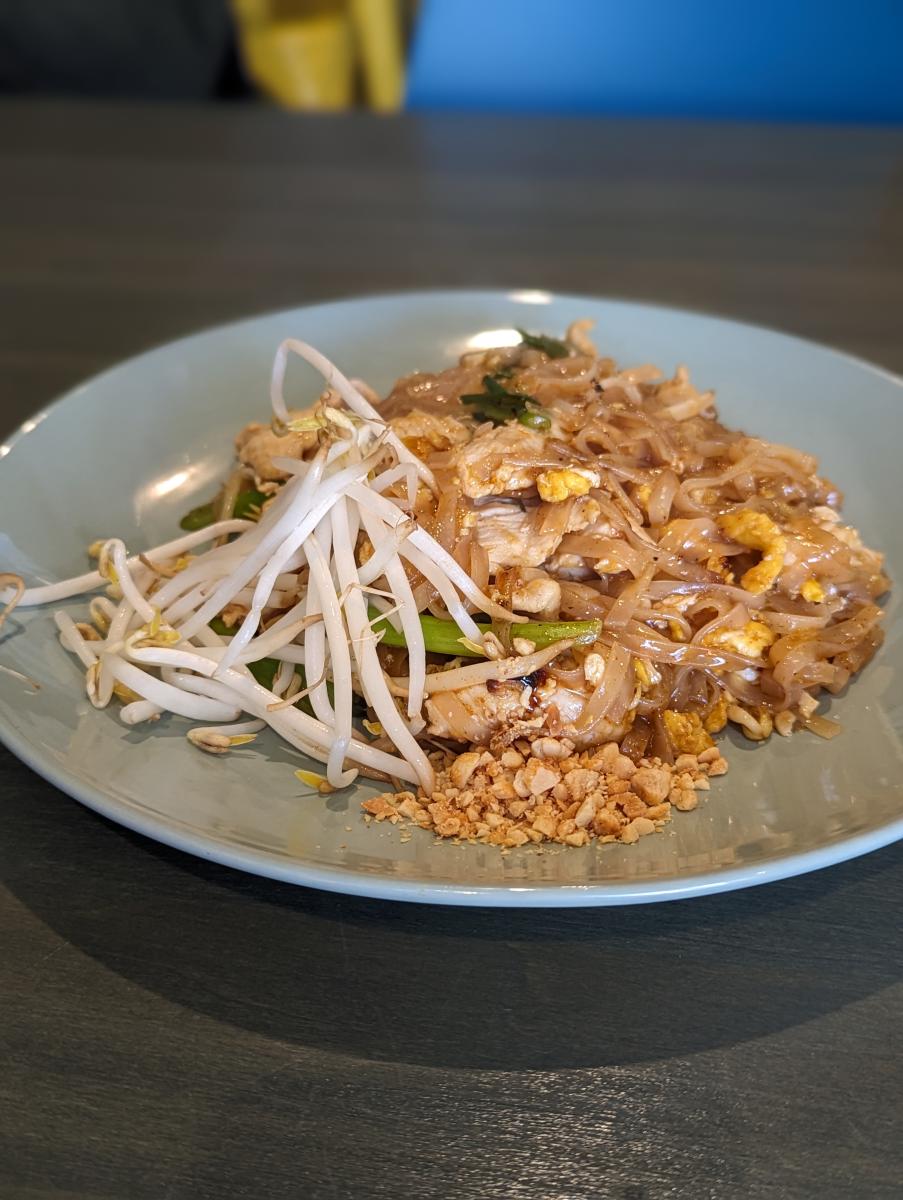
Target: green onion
point(198, 518)
point(444, 637)
point(494, 388)
point(248, 504)
point(544, 633)
point(264, 671)
point(486, 409)
point(551, 346)
point(441, 637)
point(205, 514)
point(534, 419)
point(498, 405)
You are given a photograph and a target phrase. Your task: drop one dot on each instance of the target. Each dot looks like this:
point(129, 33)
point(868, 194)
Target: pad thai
point(526, 592)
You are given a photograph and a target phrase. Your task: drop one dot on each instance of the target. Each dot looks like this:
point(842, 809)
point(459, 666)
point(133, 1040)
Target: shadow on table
point(466, 988)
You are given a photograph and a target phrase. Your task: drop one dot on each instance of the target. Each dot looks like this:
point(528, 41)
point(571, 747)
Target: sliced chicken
point(492, 464)
point(515, 537)
point(257, 445)
point(509, 535)
point(423, 432)
point(476, 714)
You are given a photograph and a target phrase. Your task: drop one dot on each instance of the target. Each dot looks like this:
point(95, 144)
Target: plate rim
point(385, 887)
point(210, 847)
point(25, 427)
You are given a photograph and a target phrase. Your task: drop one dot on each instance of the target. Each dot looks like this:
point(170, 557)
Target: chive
point(534, 419)
point(245, 502)
point(205, 514)
point(486, 410)
point(498, 405)
point(502, 394)
point(264, 671)
point(441, 637)
point(494, 388)
point(444, 637)
point(198, 518)
point(551, 346)
point(544, 633)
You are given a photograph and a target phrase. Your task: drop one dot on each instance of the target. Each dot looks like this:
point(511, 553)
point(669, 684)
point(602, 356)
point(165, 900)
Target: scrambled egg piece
point(812, 591)
point(645, 673)
point(587, 512)
point(752, 639)
point(759, 532)
point(716, 717)
point(643, 492)
point(558, 485)
point(686, 731)
point(718, 564)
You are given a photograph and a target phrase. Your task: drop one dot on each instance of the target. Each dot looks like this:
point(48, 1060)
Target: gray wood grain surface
point(173, 1029)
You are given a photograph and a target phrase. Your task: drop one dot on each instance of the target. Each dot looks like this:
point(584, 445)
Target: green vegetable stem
point(498, 405)
point(247, 507)
point(444, 637)
point(548, 345)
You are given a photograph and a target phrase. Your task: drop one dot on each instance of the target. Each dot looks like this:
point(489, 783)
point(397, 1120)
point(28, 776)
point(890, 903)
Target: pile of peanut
point(543, 791)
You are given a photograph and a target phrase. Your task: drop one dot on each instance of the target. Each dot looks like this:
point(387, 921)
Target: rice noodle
point(611, 696)
point(500, 669)
point(624, 607)
point(716, 563)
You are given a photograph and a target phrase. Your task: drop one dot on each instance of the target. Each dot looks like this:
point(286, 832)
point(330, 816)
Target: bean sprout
point(298, 598)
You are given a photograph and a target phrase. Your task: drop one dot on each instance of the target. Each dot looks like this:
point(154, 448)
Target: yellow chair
point(305, 54)
point(378, 29)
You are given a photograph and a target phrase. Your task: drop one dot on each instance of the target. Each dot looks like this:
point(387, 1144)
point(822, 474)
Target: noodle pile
point(716, 561)
point(531, 543)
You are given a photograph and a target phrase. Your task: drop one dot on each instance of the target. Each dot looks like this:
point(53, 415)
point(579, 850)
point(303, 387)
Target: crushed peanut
point(593, 669)
point(547, 792)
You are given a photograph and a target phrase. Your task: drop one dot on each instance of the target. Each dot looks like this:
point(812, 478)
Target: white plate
point(128, 452)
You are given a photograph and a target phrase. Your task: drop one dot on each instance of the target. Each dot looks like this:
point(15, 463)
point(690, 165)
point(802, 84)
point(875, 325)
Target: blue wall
point(766, 59)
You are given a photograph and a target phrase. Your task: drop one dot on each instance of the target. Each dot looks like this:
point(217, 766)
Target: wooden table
point(173, 1029)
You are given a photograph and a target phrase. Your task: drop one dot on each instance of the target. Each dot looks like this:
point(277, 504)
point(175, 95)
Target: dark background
point(154, 49)
point(172, 1029)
